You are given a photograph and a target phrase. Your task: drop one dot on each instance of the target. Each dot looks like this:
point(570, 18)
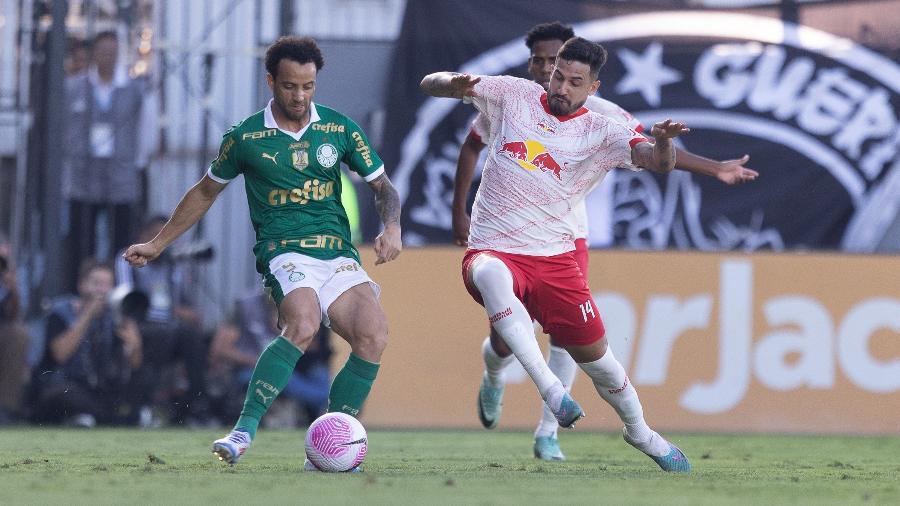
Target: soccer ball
point(336, 442)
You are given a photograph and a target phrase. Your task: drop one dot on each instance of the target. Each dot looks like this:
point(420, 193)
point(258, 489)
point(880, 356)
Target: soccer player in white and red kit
point(543, 42)
point(546, 151)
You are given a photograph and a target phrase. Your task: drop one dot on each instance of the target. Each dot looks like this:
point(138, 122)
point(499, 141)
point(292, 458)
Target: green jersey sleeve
point(360, 156)
point(226, 167)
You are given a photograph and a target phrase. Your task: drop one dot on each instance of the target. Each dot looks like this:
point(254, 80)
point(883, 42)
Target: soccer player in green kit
point(290, 155)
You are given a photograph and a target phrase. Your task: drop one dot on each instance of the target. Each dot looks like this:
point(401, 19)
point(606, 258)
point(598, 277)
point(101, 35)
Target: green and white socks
point(272, 372)
point(351, 385)
point(349, 389)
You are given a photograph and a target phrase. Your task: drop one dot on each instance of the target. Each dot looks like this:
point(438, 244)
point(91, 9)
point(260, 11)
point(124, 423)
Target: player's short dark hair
point(299, 49)
point(584, 51)
point(548, 31)
point(91, 264)
point(106, 34)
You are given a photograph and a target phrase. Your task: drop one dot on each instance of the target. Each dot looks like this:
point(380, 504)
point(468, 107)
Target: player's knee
point(372, 340)
point(498, 345)
point(300, 333)
point(490, 272)
point(603, 346)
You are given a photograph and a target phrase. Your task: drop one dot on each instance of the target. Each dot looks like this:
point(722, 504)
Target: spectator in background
point(14, 339)
point(104, 148)
point(79, 58)
point(89, 371)
point(237, 345)
point(172, 330)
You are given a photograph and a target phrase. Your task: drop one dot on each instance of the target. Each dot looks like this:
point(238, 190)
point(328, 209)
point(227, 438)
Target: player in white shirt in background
point(546, 151)
point(544, 41)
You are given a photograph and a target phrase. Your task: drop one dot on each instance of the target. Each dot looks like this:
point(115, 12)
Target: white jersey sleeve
point(619, 115)
point(621, 139)
point(614, 112)
point(481, 128)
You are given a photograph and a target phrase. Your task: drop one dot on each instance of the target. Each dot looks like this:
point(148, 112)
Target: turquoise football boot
point(547, 448)
point(673, 462)
point(568, 413)
point(490, 404)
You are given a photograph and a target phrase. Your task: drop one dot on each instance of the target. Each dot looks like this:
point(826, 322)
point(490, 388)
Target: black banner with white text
point(817, 113)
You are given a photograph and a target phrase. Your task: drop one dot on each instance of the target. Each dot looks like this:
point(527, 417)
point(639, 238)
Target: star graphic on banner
point(646, 73)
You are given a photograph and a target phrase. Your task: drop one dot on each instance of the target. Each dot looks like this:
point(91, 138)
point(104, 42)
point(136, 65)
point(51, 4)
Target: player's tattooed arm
point(449, 84)
point(387, 202)
point(660, 156)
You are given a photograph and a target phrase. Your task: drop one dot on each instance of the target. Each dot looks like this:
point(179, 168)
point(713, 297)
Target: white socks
point(564, 367)
point(511, 320)
point(615, 388)
point(494, 364)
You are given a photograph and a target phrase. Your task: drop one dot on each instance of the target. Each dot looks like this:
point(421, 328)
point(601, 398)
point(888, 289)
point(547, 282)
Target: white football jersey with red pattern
point(538, 168)
point(481, 129)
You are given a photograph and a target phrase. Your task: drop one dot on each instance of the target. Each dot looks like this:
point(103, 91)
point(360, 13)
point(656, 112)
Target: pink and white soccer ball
point(336, 442)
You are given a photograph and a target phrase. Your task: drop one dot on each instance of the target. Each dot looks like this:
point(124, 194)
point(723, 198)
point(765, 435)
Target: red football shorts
point(553, 290)
point(581, 256)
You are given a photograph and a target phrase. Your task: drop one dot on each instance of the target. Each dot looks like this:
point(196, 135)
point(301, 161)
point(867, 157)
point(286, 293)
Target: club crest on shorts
point(294, 276)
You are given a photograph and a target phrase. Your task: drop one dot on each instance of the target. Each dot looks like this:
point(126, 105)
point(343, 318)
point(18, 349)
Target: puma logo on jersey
point(271, 157)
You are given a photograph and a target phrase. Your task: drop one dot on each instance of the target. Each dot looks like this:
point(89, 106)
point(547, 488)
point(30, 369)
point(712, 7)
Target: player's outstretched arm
point(387, 202)
point(660, 156)
point(465, 172)
point(449, 85)
point(729, 172)
point(192, 207)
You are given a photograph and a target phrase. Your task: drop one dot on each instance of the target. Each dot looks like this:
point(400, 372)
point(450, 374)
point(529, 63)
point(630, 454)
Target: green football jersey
point(293, 181)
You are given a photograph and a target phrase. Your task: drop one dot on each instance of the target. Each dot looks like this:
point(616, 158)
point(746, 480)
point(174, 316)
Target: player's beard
point(293, 114)
point(560, 106)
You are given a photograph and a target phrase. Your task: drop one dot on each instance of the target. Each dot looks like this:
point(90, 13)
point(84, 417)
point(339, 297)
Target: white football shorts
point(328, 278)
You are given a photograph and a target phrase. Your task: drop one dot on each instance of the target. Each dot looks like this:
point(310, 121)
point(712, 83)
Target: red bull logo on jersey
point(545, 127)
point(531, 155)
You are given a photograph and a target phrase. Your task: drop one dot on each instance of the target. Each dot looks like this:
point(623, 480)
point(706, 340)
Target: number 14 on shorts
point(587, 309)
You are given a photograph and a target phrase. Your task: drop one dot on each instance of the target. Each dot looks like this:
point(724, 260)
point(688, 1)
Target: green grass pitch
point(120, 466)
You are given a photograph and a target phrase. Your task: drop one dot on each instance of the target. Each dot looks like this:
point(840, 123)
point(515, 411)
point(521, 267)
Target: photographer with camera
point(14, 339)
point(175, 347)
point(89, 373)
